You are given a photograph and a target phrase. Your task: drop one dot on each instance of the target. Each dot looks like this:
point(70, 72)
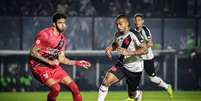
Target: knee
point(155, 79)
point(106, 83)
point(151, 78)
point(109, 79)
point(56, 88)
point(74, 88)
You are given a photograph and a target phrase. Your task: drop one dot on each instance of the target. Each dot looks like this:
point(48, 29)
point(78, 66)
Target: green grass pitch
point(92, 96)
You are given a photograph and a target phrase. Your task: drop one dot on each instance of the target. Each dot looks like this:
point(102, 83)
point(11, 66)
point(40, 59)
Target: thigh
point(133, 80)
point(110, 79)
point(113, 75)
point(117, 71)
point(59, 74)
point(149, 67)
point(42, 74)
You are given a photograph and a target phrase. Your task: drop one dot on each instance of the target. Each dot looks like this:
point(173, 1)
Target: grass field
point(92, 96)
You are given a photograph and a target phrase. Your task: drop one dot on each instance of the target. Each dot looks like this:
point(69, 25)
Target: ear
point(143, 21)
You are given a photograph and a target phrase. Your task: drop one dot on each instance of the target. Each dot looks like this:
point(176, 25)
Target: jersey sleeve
point(41, 40)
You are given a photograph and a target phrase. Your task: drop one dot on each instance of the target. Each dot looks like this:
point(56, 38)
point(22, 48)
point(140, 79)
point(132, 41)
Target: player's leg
point(133, 80)
point(111, 77)
point(72, 86)
point(150, 70)
point(43, 74)
point(138, 95)
point(54, 89)
point(63, 77)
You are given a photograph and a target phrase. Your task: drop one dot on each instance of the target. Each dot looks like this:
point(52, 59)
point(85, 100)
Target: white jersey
point(146, 34)
point(130, 42)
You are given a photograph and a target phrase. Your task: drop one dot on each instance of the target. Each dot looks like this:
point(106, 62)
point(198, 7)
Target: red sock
point(75, 91)
point(55, 89)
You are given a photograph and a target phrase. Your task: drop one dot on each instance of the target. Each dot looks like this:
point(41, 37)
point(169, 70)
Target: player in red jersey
point(46, 56)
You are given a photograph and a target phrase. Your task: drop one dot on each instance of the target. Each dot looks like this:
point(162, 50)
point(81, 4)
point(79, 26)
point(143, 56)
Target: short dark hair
point(139, 15)
point(121, 16)
point(57, 16)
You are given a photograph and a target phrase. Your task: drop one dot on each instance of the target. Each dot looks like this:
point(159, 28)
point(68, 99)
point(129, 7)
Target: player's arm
point(64, 60)
point(111, 47)
point(35, 53)
point(78, 63)
point(141, 50)
point(149, 43)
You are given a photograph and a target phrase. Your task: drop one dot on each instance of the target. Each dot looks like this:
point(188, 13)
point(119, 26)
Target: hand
point(108, 52)
point(53, 62)
point(123, 51)
point(83, 63)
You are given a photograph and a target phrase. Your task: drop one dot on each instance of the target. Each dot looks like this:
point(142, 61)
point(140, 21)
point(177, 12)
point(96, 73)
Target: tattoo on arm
point(141, 50)
point(35, 53)
point(64, 60)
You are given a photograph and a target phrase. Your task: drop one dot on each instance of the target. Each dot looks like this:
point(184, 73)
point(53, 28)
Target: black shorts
point(132, 78)
point(149, 67)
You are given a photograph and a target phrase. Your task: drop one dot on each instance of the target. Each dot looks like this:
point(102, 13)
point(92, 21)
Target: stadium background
point(175, 26)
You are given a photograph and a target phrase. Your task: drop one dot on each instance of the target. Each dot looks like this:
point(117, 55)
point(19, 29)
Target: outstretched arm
point(64, 60)
point(79, 63)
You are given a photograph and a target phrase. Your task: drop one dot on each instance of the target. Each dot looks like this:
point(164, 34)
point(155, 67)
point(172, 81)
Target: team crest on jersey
point(126, 41)
point(45, 75)
point(37, 42)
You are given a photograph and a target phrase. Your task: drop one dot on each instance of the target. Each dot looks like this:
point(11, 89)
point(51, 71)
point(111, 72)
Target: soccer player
point(149, 57)
point(130, 62)
point(46, 56)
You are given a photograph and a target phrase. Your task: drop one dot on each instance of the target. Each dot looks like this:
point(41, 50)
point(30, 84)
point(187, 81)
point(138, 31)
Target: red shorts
point(45, 73)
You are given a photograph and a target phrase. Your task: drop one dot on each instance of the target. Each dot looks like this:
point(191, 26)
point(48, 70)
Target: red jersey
point(49, 45)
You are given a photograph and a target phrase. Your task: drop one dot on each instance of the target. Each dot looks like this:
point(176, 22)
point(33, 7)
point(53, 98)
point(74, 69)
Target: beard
point(120, 30)
point(60, 30)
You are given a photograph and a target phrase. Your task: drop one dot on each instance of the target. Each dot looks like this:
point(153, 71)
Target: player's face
point(121, 24)
point(61, 25)
point(138, 22)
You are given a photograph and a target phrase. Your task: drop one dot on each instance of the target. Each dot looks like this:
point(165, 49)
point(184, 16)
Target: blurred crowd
point(157, 8)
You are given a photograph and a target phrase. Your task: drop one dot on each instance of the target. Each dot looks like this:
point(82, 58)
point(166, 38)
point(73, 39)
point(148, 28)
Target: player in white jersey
point(149, 57)
point(130, 61)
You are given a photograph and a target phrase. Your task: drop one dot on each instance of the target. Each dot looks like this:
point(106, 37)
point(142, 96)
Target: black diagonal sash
point(137, 34)
point(60, 44)
point(148, 34)
point(126, 42)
